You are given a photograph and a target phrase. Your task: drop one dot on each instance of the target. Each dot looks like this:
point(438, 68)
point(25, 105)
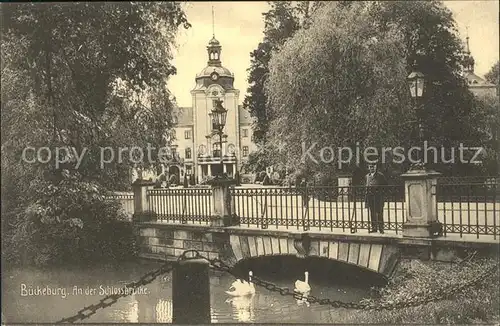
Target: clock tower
point(215, 82)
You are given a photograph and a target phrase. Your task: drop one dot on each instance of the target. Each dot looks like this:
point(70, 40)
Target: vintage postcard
point(278, 162)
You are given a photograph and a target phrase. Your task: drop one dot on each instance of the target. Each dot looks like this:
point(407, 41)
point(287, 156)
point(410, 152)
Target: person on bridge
point(374, 197)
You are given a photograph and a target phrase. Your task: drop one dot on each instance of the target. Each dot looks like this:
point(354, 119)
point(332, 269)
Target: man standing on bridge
point(374, 197)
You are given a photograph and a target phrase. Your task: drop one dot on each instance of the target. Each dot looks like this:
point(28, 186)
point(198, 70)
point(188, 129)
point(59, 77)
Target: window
point(216, 150)
point(245, 151)
point(187, 134)
point(245, 132)
point(187, 153)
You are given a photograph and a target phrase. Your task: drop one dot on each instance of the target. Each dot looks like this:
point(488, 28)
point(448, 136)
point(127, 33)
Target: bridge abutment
point(233, 244)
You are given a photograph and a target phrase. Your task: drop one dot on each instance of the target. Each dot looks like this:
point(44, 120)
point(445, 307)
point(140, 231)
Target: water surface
point(76, 287)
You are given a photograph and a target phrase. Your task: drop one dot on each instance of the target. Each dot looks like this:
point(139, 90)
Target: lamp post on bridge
point(222, 207)
point(420, 183)
point(219, 115)
point(416, 83)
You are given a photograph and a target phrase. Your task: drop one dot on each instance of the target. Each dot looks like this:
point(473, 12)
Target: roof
point(184, 116)
point(244, 115)
point(475, 80)
point(208, 70)
point(214, 42)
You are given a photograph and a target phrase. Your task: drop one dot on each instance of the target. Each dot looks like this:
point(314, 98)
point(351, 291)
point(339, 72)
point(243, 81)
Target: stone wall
point(167, 243)
point(233, 244)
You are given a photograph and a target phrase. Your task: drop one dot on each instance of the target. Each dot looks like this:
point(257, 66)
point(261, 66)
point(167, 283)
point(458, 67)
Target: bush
point(68, 222)
point(475, 304)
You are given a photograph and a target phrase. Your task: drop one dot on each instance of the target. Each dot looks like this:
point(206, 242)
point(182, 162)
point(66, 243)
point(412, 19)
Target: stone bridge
point(379, 254)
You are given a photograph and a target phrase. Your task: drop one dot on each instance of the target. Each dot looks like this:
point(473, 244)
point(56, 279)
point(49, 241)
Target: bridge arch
point(374, 257)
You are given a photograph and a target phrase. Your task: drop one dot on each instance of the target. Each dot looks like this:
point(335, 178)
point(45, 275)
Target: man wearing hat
point(374, 197)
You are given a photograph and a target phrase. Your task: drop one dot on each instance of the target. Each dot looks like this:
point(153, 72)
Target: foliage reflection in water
point(327, 280)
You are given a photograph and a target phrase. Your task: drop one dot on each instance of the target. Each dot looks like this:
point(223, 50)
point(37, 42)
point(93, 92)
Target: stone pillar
point(141, 202)
point(210, 170)
point(224, 168)
point(344, 181)
point(420, 204)
point(200, 171)
point(222, 209)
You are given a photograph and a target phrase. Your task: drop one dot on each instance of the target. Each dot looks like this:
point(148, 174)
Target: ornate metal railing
point(321, 208)
point(469, 208)
point(184, 205)
point(463, 208)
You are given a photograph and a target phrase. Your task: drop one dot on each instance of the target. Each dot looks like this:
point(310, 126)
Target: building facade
point(196, 143)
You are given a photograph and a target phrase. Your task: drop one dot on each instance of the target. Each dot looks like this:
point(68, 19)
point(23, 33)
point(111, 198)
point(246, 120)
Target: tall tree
point(282, 20)
point(493, 74)
point(342, 82)
point(279, 24)
point(86, 76)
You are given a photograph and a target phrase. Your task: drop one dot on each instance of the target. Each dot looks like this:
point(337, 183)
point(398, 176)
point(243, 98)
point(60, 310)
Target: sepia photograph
point(266, 162)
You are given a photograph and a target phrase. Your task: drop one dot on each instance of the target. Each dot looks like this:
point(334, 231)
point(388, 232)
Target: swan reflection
point(133, 310)
point(163, 311)
point(243, 308)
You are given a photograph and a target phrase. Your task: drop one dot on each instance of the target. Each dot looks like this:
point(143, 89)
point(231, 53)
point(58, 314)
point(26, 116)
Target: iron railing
point(320, 208)
point(472, 208)
point(184, 205)
point(464, 208)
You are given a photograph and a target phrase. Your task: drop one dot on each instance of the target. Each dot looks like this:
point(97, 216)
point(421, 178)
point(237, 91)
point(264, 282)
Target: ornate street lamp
point(218, 116)
point(416, 84)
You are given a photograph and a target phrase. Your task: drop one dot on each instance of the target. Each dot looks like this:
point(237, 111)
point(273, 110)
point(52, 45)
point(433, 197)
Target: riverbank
point(416, 279)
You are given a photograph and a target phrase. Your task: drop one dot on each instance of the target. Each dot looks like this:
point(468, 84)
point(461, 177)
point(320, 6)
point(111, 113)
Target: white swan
point(303, 286)
point(304, 300)
point(241, 288)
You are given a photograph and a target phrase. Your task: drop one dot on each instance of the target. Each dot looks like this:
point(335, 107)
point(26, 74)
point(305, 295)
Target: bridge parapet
point(231, 245)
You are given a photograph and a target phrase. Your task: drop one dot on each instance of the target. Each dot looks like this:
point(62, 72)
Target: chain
point(109, 300)
point(390, 305)
point(218, 264)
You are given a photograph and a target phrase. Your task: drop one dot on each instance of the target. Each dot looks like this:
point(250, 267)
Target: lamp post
point(420, 183)
point(416, 83)
point(218, 116)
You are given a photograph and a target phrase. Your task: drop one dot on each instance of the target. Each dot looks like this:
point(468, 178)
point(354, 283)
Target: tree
point(487, 119)
point(86, 76)
point(493, 74)
point(342, 82)
point(282, 20)
point(432, 40)
point(330, 81)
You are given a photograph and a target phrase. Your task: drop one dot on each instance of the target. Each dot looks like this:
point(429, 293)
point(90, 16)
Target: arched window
point(216, 149)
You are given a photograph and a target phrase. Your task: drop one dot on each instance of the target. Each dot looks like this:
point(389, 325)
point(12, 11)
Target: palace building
point(196, 144)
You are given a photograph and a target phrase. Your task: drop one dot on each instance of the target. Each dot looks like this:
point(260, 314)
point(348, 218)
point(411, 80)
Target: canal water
point(76, 287)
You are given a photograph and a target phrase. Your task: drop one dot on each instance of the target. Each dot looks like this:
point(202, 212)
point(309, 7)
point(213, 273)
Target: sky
point(239, 28)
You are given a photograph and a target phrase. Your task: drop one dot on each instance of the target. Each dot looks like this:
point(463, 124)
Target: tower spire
point(213, 48)
point(213, 22)
point(469, 60)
